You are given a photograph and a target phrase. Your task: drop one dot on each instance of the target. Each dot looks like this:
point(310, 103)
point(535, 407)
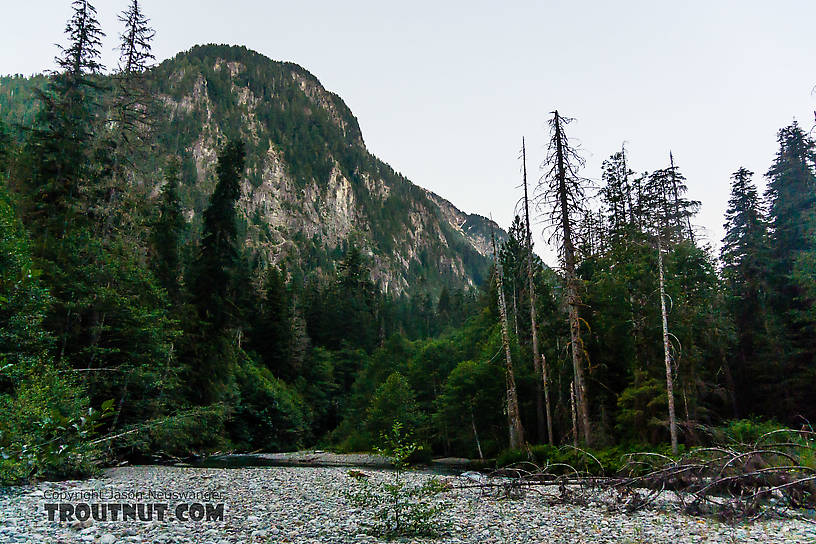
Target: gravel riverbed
point(307, 505)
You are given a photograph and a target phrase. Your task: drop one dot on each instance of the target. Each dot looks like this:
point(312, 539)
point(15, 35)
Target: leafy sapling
point(397, 507)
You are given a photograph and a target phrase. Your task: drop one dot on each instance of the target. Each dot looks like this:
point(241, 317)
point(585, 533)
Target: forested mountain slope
point(311, 187)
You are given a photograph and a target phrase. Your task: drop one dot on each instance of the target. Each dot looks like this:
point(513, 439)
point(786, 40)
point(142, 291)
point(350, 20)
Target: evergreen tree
point(219, 255)
point(272, 333)
point(616, 194)
point(117, 202)
point(168, 230)
point(670, 212)
point(791, 196)
point(80, 59)
point(684, 209)
point(347, 310)
point(212, 353)
point(133, 101)
point(744, 256)
point(444, 309)
point(6, 152)
point(59, 145)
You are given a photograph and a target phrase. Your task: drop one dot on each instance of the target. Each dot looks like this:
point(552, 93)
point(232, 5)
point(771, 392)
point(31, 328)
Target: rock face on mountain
point(311, 186)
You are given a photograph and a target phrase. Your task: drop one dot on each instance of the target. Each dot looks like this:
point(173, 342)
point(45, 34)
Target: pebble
point(304, 504)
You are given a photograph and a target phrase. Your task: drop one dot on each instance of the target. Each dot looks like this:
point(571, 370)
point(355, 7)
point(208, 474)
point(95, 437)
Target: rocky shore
point(307, 505)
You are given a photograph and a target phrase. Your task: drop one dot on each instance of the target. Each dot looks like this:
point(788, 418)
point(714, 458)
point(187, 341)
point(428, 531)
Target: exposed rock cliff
point(311, 186)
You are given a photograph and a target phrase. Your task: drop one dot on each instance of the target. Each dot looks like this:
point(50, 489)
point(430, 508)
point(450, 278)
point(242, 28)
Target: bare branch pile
point(772, 477)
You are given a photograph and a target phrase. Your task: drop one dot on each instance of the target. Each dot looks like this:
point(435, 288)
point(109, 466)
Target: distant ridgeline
point(310, 188)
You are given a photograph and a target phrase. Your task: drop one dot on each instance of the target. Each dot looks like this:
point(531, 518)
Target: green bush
point(400, 509)
point(46, 430)
point(744, 431)
point(187, 430)
point(354, 442)
point(268, 414)
point(393, 401)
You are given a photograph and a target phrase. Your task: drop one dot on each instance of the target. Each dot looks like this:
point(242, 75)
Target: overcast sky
point(444, 91)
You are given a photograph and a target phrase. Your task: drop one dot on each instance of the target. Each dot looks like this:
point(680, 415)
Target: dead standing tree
point(562, 196)
point(513, 416)
point(670, 222)
point(667, 348)
point(539, 364)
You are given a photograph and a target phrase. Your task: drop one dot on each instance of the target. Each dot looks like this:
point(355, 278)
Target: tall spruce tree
point(684, 208)
point(616, 195)
point(213, 355)
point(59, 145)
point(744, 256)
point(80, 58)
point(133, 100)
point(218, 258)
point(167, 232)
point(272, 332)
point(116, 202)
point(791, 196)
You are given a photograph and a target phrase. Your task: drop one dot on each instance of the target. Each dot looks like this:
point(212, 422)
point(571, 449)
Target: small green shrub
point(400, 509)
point(744, 431)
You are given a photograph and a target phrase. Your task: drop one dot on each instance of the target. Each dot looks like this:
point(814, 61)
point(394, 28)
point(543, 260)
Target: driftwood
point(773, 477)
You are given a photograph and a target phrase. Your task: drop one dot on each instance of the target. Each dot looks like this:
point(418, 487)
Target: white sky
point(445, 90)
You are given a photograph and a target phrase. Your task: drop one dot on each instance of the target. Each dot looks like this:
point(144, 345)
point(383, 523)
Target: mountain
point(311, 186)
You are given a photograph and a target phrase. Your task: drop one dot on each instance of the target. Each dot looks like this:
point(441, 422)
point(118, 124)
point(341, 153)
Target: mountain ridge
point(311, 186)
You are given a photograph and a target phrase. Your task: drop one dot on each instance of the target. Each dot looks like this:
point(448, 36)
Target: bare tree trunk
point(547, 398)
point(542, 395)
point(513, 417)
point(635, 329)
point(476, 434)
point(573, 299)
point(574, 415)
point(666, 346)
point(515, 310)
point(729, 380)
